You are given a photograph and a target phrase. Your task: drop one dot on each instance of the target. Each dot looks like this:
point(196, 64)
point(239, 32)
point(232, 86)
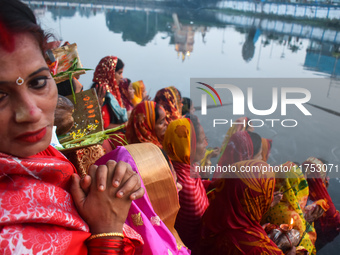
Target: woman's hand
point(215, 152)
point(146, 98)
point(277, 198)
point(101, 92)
point(313, 212)
point(103, 198)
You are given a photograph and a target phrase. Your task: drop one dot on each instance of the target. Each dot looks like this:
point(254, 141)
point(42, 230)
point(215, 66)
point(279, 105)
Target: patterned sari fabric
point(239, 125)
point(113, 110)
point(139, 88)
point(179, 104)
point(141, 125)
point(124, 91)
point(178, 140)
point(328, 225)
point(292, 206)
point(239, 148)
point(157, 229)
point(168, 99)
point(105, 75)
point(231, 224)
point(37, 214)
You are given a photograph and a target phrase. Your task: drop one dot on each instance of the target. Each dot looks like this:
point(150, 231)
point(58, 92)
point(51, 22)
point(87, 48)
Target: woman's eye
point(39, 82)
point(2, 95)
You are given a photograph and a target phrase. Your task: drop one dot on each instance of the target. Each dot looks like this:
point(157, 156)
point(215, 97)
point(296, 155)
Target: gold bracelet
point(117, 234)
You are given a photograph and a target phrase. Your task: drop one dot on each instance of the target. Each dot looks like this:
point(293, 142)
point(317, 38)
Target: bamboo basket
point(65, 55)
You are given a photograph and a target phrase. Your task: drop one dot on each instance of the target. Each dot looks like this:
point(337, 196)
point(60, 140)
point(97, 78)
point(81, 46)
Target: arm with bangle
point(103, 199)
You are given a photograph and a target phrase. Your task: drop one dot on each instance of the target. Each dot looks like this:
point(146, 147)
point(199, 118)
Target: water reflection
point(136, 26)
point(323, 57)
point(142, 24)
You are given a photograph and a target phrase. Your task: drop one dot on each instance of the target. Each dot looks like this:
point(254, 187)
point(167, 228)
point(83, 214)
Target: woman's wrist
point(116, 228)
point(110, 235)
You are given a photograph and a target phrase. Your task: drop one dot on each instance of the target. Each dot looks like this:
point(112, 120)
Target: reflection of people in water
point(248, 48)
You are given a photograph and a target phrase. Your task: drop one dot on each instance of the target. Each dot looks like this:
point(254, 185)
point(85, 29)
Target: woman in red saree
point(38, 215)
point(182, 144)
point(242, 145)
point(107, 77)
point(127, 93)
point(241, 124)
point(147, 124)
point(231, 224)
point(169, 99)
point(328, 225)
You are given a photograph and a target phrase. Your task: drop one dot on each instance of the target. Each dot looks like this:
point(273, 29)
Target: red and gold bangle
point(114, 234)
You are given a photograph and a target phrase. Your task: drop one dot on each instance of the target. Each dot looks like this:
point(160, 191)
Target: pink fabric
point(157, 238)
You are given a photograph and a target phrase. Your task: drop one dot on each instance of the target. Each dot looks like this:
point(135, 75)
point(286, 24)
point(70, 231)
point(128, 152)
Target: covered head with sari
point(178, 96)
point(180, 144)
point(124, 91)
point(113, 110)
point(105, 75)
point(241, 124)
point(152, 216)
point(141, 124)
point(328, 225)
point(239, 148)
point(231, 224)
point(139, 88)
point(292, 206)
point(169, 99)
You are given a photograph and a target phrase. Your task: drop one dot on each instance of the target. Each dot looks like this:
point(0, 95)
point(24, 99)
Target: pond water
point(169, 46)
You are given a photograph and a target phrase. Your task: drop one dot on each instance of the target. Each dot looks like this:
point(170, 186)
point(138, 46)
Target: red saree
point(180, 145)
point(231, 224)
point(113, 110)
point(124, 92)
point(328, 225)
point(167, 98)
point(37, 214)
point(239, 148)
point(105, 75)
point(141, 124)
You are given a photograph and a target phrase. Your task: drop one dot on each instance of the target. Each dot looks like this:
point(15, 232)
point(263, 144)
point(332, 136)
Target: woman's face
point(144, 94)
point(201, 145)
point(131, 91)
point(161, 124)
point(119, 75)
point(26, 110)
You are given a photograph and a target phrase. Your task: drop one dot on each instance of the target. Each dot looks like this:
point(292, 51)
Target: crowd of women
point(144, 197)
